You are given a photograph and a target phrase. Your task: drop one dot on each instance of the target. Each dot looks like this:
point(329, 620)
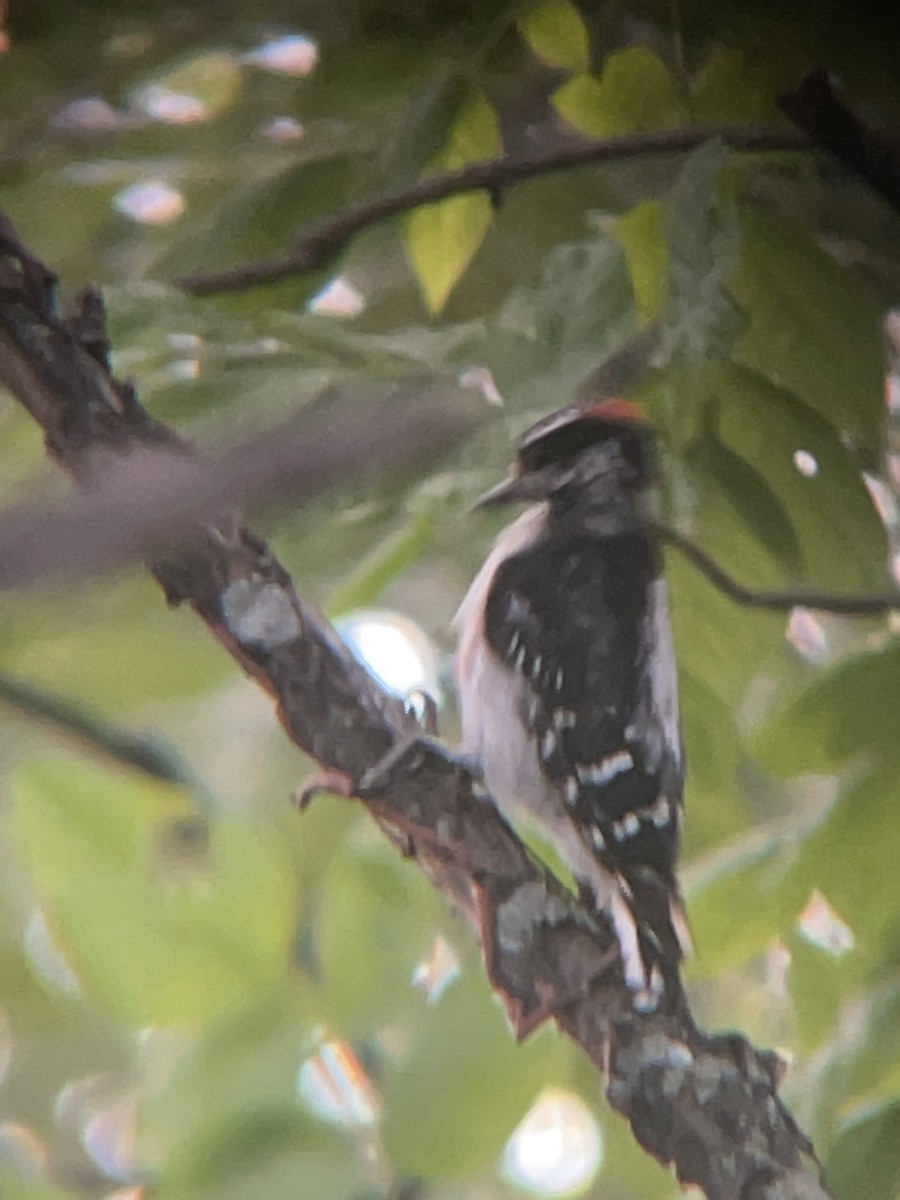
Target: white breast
point(491, 699)
point(490, 695)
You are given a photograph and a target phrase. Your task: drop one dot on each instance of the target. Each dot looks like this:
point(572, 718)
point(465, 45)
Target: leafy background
point(172, 953)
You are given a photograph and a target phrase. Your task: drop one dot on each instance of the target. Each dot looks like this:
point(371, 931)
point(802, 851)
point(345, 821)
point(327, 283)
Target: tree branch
point(817, 108)
point(142, 752)
point(707, 1105)
point(317, 247)
point(867, 604)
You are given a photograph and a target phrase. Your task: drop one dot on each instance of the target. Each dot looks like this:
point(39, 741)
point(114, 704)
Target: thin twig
point(317, 247)
point(143, 752)
point(868, 604)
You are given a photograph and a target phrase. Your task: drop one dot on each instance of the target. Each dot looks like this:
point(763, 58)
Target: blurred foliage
point(172, 954)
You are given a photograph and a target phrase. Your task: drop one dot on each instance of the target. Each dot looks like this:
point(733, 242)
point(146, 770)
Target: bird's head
point(595, 459)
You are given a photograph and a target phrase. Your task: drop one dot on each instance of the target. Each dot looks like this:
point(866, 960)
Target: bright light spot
point(820, 925)
point(778, 965)
point(185, 368)
point(171, 108)
point(200, 88)
point(104, 1116)
point(394, 649)
point(481, 380)
point(282, 129)
point(22, 1150)
point(292, 55)
point(338, 299)
point(46, 956)
point(557, 1149)
point(188, 343)
point(807, 635)
point(883, 499)
point(109, 1135)
point(436, 972)
point(806, 463)
point(150, 203)
point(91, 115)
point(335, 1087)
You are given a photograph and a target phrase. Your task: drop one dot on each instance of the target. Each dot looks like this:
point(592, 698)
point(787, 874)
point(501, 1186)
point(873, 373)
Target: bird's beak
point(500, 493)
point(515, 486)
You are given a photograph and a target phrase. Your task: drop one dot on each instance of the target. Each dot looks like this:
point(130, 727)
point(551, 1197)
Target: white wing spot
point(597, 774)
point(536, 668)
point(559, 679)
point(631, 823)
point(597, 838)
point(627, 827)
point(520, 658)
point(548, 744)
point(572, 790)
point(563, 718)
point(661, 813)
point(513, 645)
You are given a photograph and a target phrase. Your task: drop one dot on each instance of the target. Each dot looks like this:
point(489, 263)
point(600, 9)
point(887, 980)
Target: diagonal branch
point(816, 107)
point(708, 1105)
point(317, 247)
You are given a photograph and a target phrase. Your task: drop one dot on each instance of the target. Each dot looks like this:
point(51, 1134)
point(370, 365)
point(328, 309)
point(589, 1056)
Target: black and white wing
point(582, 626)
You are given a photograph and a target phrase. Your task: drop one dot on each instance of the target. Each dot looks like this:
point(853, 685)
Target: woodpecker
point(566, 676)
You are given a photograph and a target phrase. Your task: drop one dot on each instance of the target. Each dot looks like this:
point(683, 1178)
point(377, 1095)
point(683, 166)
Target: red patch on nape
point(616, 410)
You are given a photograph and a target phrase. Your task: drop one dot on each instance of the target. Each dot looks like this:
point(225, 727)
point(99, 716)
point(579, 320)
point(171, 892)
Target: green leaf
point(642, 233)
point(636, 91)
point(704, 241)
point(842, 543)
point(248, 1061)
point(729, 480)
point(441, 239)
point(13, 1187)
point(73, 821)
point(713, 801)
point(739, 903)
point(730, 90)
point(189, 950)
point(467, 1059)
point(153, 941)
point(851, 859)
point(115, 633)
point(820, 984)
point(868, 1070)
point(556, 33)
point(377, 919)
point(274, 1150)
point(724, 646)
point(224, 1119)
point(827, 353)
point(552, 332)
point(849, 710)
point(751, 508)
point(759, 888)
point(864, 1163)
